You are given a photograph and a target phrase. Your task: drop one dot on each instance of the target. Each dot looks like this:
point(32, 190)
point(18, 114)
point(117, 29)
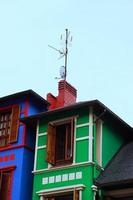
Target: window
point(5, 185)
point(60, 142)
point(9, 125)
point(99, 142)
point(71, 196)
point(5, 124)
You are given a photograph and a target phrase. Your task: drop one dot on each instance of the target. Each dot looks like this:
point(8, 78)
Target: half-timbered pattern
point(17, 144)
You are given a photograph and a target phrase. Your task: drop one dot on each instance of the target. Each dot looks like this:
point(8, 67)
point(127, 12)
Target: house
point(17, 144)
point(74, 143)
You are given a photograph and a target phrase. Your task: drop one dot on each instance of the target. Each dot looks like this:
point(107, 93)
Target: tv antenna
point(64, 52)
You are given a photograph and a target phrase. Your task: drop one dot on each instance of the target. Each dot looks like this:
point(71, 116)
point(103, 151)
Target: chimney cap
point(64, 85)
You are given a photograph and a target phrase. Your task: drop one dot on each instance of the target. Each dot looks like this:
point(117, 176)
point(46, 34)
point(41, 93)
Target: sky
point(100, 58)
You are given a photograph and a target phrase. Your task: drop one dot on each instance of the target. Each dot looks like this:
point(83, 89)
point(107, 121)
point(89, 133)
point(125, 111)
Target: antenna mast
point(64, 53)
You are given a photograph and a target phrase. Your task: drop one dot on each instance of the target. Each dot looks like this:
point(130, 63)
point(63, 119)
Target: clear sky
point(100, 62)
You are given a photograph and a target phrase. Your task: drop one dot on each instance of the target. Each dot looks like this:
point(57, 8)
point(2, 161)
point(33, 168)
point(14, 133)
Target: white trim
point(90, 135)
point(80, 195)
point(35, 159)
point(41, 134)
point(61, 189)
point(49, 166)
point(62, 167)
point(94, 188)
point(41, 197)
point(82, 125)
point(83, 138)
point(41, 147)
point(62, 177)
point(94, 195)
point(74, 147)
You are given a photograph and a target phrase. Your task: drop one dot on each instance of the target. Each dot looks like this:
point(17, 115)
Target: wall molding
point(62, 178)
point(61, 189)
point(63, 167)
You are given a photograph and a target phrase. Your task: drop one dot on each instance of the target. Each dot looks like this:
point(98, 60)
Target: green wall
point(86, 180)
point(111, 142)
point(81, 145)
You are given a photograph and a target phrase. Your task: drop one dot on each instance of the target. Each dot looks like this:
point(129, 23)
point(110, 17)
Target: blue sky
point(100, 62)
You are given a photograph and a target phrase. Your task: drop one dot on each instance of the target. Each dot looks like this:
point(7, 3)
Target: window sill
point(62, 163)
point(5, 146)
point(62, 167)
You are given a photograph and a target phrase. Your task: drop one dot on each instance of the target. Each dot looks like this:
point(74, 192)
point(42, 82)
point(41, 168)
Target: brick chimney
point(66, 95)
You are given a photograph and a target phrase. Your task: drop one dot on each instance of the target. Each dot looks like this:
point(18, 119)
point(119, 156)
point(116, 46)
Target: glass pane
point(8, 131)
point(2, 118)
point(60, 142)
point(5, 122)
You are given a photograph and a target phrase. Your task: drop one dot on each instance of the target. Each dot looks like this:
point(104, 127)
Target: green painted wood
point(86, 175)
point(82, 151)
point(41, 159)
point(83, 116)
point(42, 126)
point(42, 140)
point(112, 141)
point(82, 131)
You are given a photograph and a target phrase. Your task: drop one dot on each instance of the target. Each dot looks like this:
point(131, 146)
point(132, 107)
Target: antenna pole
point(66, 52)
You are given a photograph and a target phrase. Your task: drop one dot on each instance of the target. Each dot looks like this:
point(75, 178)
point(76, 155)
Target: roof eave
point(113, 183)
point(24, 93)
point(80, 105)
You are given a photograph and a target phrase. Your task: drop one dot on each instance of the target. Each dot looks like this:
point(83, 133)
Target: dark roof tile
point(120, 170)
point(23, 93)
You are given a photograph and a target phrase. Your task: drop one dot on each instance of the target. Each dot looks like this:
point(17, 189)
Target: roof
point(24, 93)
point(120, 170)
point(96, 104)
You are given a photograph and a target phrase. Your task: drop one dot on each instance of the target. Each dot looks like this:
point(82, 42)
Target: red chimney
point(66, 95)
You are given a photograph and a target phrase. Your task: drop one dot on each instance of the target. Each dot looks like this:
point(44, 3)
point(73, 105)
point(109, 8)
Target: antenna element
point(64, 53)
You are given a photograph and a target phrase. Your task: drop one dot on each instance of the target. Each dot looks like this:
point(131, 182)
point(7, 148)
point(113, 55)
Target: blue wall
point(26, 175)
point(16, 185)
point(24, 156)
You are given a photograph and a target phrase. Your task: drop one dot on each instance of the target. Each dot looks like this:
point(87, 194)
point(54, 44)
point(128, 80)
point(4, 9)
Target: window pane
point(60, 142)
point(5, 186)
point(69, 141)
point(67, 197)
point(60, 197)
point(5, 124)
point(64, 143)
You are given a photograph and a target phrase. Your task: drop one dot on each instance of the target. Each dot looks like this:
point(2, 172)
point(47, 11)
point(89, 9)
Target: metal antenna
point(64, 52)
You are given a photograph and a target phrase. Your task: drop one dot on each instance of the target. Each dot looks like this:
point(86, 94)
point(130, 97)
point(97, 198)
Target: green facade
point(81, 173)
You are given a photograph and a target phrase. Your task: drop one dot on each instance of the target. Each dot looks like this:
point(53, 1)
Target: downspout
point(94, 187)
